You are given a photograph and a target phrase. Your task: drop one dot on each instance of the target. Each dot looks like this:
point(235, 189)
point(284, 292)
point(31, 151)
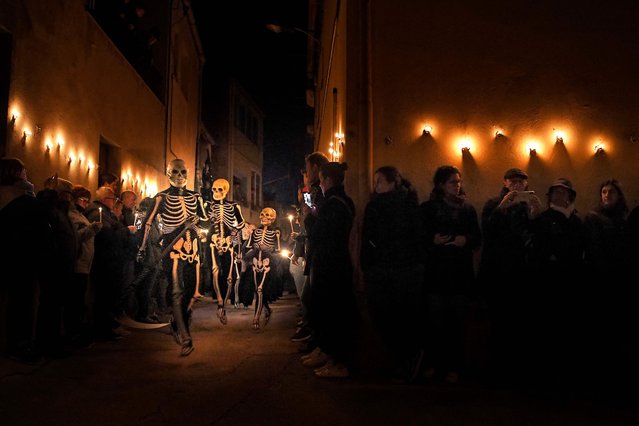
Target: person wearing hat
point(75, 293)
point(56, 200)
point(556, 256)
point(506, 222)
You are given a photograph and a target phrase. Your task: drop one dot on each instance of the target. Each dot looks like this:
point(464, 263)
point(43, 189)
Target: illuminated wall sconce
point(499, 134)
point(70, 159)
point(25, 135)
point(559, 136)
point(599, 149)
point(532, 152)
point(14, 118)
point(47, 146)
point(59, 142)
point(465, 150)
point(427, 130)
point(90, 167)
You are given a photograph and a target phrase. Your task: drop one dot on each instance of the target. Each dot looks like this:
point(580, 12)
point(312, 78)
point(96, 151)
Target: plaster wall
point(468, 69)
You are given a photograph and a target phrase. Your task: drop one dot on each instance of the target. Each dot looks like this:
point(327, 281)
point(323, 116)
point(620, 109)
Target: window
point(246, 122)
point(239, 191)
point(256, 199)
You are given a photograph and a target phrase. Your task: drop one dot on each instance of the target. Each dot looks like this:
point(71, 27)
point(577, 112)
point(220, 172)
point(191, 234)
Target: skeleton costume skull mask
point(220, 189)
point(267, 216)
point(177, 173)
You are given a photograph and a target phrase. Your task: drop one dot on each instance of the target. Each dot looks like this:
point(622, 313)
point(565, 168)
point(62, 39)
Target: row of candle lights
point(71, 157)
point(532, 146)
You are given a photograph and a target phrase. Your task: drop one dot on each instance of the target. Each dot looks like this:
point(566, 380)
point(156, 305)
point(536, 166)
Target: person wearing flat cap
point(556, 257)
point(506, 222)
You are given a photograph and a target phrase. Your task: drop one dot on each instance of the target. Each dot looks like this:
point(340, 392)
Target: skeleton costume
point(226, 223)
point(264, 241)
point(181, 210)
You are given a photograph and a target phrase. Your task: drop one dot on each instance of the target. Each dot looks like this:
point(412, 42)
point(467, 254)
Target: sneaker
point(318, 360)
point(307, 346)
point(333, 371)
point(187, 348)
point(314, 352)
point(301, 335)
point(147, 320)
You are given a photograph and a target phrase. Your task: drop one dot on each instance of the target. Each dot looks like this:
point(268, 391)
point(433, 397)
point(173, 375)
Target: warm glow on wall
point(426, 127)
point(559, 136)
point(599, 147)
point(532, 147)
point(465, 144)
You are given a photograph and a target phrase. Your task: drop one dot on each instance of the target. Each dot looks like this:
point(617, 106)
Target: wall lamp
point(533, 152)
point(25, 135)
point(465, 150)
point(599, 149)
point(14, 117)
point(427, 130)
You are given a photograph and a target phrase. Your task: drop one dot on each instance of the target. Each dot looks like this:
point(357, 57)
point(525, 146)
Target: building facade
point(92, 87)
point(239, 136)
point(547, 87)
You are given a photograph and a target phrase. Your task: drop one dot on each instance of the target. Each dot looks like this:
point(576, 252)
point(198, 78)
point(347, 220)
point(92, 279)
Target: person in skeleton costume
point(181, 210)
point(264, 241)
point(226, 223)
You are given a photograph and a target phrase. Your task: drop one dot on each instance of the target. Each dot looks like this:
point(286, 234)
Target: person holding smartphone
point(507, 228)
point(309, 212)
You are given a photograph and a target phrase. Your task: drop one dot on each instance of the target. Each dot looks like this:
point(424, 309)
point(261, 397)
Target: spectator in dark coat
point(392, 262)
point(507, 222)
point(610, 309)
point(28, 243)
point(334, 312)
point(451, 236)
point(557, 258)
point(56, 199)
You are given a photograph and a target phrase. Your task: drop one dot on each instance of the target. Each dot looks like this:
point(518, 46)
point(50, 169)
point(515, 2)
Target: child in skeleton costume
point(181, 211)
point(264, 241)
point(226, 223)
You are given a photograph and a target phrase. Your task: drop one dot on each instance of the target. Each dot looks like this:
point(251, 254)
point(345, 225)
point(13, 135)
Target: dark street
point(237, 376)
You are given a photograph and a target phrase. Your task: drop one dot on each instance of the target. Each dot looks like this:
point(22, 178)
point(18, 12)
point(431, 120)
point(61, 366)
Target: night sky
point(272, 68)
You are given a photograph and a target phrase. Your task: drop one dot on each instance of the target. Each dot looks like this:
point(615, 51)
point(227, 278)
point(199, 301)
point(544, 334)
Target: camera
point(524, 196)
